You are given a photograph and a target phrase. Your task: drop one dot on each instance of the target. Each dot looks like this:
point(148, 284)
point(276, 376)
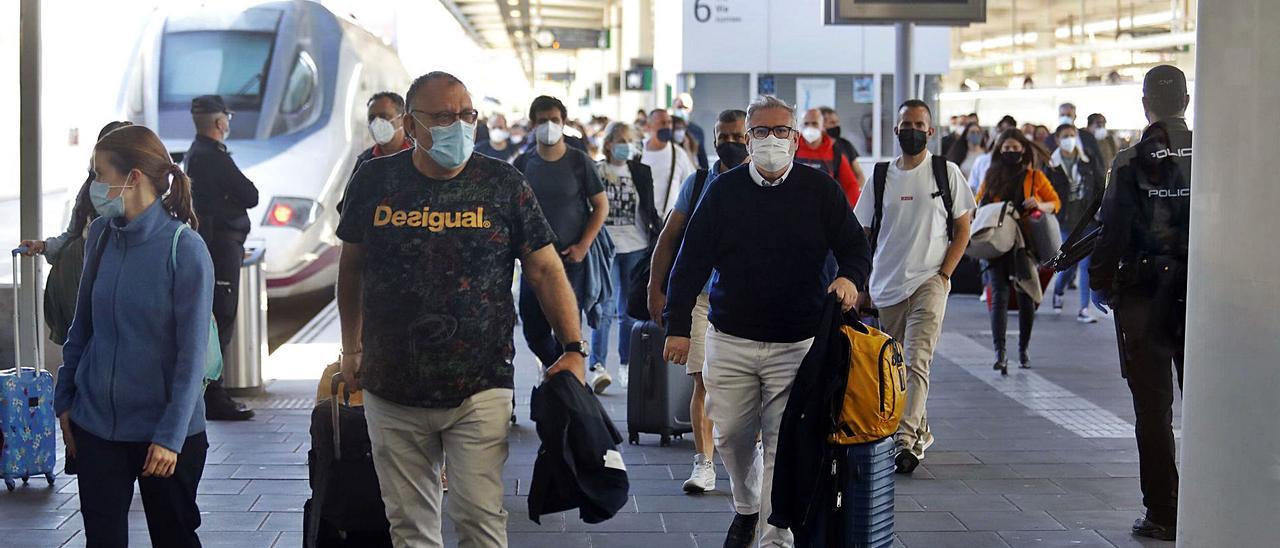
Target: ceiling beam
point(456, 11)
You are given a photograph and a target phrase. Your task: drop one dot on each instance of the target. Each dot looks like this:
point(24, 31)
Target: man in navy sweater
point(767, 229)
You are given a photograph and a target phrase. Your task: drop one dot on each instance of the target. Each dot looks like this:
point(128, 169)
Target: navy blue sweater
point(768, 246)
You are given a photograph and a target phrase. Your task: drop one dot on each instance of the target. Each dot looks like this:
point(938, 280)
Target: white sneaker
point(623, 375)
point(1085, 317)
point(601, 380)
point(703, 478)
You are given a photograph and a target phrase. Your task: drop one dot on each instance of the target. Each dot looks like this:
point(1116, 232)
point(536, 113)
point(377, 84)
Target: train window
point(232, 64)
point(301, 85)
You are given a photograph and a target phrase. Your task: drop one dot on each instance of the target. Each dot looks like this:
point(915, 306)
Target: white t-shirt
point(624, 221)
point(666, 185)
point(913, 233)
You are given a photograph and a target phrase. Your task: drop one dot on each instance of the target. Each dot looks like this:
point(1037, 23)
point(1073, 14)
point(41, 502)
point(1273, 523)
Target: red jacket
point(823, 157)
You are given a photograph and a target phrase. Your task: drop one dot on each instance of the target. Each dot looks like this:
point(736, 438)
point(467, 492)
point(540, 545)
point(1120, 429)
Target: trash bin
point(242, 364)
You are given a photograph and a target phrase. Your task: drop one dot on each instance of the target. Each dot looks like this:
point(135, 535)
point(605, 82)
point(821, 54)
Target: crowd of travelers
point(730, 239)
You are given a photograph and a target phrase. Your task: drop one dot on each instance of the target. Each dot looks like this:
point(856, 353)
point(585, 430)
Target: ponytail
point(178, 201)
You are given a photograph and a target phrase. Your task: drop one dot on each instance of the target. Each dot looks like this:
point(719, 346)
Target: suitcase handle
point(335, 383)
point(17, 330)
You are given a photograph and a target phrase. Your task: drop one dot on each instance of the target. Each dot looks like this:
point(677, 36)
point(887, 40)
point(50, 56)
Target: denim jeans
point(1067, 276)
point(623, 266)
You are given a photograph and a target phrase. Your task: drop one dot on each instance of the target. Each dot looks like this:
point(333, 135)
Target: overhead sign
point(638, 79)
point(570, 38)
point(724, 35)
point(941, 12)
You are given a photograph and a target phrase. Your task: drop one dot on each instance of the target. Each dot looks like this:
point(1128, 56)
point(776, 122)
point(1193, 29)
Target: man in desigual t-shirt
point(430, 237)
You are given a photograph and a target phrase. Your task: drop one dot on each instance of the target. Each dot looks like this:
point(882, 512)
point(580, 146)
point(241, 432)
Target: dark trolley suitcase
point(658, 392)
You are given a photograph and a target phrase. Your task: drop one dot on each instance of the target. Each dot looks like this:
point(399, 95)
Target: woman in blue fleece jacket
point(129, 389)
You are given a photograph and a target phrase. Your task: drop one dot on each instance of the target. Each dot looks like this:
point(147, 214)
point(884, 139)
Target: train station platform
point(1042, 458)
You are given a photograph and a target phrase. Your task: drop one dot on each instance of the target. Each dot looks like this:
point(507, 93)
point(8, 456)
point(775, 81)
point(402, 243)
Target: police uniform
point(221, 196)
point(1140, 262)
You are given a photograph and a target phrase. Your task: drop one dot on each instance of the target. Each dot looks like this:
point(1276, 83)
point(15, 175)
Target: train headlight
point(298, 213)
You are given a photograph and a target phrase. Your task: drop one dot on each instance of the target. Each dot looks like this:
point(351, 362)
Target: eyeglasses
point(762, 132)
point(445, 118)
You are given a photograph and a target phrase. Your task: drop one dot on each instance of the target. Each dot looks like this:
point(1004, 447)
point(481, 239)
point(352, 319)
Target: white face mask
point(1067, 144)
point(1065, 120)
point(678, 135)
point(383, 131)
point(1100, 133)
point(812, 135)
point(517, 139)
point(771, 153)
point(549, 133)
point(498, 134)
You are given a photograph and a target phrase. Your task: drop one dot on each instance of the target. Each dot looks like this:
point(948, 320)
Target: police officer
point(1139, 267)
point(222, 196)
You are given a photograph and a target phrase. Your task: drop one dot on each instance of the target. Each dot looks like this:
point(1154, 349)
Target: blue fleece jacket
point(133, 364)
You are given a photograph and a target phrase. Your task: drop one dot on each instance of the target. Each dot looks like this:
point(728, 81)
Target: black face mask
point(1011, 159)
point(731, 154)
point(834, 132)
point(912, 141)
point(664, 135)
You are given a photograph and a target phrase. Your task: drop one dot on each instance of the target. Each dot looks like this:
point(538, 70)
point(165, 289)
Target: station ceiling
point(525, 26)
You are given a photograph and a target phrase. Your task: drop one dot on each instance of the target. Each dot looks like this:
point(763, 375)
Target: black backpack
point(638, 298)
point(940, 177)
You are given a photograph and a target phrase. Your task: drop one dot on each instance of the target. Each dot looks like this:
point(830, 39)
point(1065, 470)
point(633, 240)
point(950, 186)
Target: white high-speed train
point(297, 79)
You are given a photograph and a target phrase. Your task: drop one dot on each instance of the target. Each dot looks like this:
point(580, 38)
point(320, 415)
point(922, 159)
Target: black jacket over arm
point(578, 464)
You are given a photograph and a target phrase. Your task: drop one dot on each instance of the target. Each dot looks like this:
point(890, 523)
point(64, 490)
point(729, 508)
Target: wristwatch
point(580, 347)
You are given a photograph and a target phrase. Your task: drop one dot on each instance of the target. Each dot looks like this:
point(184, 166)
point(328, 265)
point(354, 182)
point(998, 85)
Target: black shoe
point(905, 462)
point(1024, 361)
point(1002, 363)
point(742, 532)
point(218, 406)
point(1144, 527)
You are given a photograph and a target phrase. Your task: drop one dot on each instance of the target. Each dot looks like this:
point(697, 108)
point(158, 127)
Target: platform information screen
point(941, 12)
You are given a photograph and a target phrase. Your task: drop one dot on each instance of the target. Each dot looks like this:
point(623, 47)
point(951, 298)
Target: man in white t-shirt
point(913, 262)
point(670, 164)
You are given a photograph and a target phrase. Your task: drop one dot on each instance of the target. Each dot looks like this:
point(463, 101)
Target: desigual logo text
point(434, 221)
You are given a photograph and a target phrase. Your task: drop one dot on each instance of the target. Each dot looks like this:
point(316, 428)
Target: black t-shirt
point(506, 154)
point(564, 189)
point(438, 310)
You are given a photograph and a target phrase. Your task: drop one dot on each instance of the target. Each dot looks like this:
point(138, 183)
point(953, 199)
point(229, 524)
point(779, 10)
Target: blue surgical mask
point(451, 145)
point(107, 207)
point(621, 151)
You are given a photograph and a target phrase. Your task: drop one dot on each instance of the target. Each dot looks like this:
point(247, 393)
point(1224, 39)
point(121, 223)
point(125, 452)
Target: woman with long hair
point(967, 149)
point(65, 252)
point(633, 224)
point(1014, 178)
point(129, 390)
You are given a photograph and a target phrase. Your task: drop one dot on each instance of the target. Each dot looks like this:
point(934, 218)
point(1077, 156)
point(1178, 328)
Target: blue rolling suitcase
point(859, 512)
point(28, 428)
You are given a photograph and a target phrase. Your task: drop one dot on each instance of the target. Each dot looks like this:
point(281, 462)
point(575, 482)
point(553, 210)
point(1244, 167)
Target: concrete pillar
point(30, 202)
point(1230, 492)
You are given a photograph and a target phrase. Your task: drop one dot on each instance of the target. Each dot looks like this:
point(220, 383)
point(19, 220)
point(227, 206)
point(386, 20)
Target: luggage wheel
point(634, 438)
point(10, 484)
point(665, 441)
point(48, 476)
point(24, 479)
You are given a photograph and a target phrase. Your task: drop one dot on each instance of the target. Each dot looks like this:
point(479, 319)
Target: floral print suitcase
point(28, 428)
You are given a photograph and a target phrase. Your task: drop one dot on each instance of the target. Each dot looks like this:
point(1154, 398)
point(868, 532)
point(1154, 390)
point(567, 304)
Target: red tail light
point(280, 215)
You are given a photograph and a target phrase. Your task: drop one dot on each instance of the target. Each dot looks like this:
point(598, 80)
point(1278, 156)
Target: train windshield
point(232, 64)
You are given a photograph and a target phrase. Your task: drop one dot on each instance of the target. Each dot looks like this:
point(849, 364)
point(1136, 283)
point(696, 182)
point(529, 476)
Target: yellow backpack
point(876, 388)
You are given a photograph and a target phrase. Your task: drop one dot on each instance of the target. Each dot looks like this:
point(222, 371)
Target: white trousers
point(748, 383)
point(409, 445)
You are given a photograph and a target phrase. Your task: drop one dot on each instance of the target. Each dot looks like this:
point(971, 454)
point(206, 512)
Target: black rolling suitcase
point(967, 279)
point(658, 392)
point(345, 509)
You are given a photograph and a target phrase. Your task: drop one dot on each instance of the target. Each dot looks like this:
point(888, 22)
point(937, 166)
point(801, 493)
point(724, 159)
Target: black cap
point(208, 104)
point(1165, 82)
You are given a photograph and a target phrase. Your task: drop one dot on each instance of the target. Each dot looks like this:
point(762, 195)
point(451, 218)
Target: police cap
point(208, 104)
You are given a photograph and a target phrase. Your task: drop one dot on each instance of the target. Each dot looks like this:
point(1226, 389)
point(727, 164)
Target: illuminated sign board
point(941, 12)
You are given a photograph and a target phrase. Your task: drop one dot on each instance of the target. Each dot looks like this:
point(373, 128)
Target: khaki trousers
point(916, 323)
point(409, 445)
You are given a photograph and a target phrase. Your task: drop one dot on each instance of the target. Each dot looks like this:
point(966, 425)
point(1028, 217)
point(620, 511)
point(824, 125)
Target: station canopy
point(527, 26)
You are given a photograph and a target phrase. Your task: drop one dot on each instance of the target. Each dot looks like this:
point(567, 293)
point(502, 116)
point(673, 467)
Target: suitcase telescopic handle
point(335, 383)
point(37, 347)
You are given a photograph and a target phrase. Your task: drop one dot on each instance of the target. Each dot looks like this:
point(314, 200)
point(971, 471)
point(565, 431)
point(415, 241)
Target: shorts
point(698, 335)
